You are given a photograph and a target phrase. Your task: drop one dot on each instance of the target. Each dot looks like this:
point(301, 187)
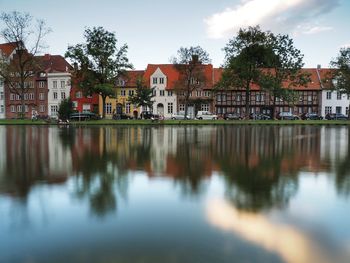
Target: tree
point(341, 73)
point(189, 63)
point(284, 67)
point(143, 96)
point(65, 109)
point(99, 62)
point(264, 59)
point(245, 57)
point(26, 38)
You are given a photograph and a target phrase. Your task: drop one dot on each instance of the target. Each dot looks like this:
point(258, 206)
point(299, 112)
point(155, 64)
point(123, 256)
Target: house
point(170, 93)
point(306, 98)
point(54, 83)
point(125, 87)
point(83, 102)
point(333, 101)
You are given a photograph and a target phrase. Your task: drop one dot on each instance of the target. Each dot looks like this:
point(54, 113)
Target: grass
point(182, 122)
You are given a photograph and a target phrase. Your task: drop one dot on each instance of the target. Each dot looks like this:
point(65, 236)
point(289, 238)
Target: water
point(175, 194)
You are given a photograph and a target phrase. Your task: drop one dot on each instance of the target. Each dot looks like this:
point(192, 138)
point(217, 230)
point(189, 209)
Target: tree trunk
point(274, 107)
point(23, 106)
point(349, 112)
point(103, 106)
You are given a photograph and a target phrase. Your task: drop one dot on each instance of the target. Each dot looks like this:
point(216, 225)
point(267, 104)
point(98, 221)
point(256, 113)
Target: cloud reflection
point(290, 243)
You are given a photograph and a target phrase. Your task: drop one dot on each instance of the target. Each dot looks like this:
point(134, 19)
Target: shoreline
point(177, 122)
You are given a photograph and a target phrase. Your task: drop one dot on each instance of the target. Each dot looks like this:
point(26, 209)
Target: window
point(63, 84)
point(75, 104)
point(108, 108)
point(55, 95)
point(41, 84)
point(206, 93)
point(131, 92)
point(205, 107)
point(161, 80)
point(1, 95)
point(198, 93)
point(170, 107)
point(154, 92)
point(26, 108)
point(182, 107)
point(338, 96)
point(239, 97)
point(309, 98)
point(12, 96)
point(19, 108)
point(121, 82)
point(13, 108)
point(18, 97)
point(329, 95)
point(25, 96)
point(194, 81)
point(191, 94)
point(29, 85)
point(122, 92)
point(328, 109)
point(170, 93)
point(42, 108)
point(347, 111)
point(54, 83)
point(127, 108)
point(301, 98)
point(41, 96)
point(78, 94)
point(338, 110)
point(155, 81)
point(2, 109)
point(63, 95)
point(54, 110)
point(31, 96)
point(86, 107)
point(161, 93)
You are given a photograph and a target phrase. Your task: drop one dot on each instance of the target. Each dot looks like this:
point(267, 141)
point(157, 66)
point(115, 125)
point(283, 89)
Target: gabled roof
point(173, 75)
point(54, 63)
point(8, 48)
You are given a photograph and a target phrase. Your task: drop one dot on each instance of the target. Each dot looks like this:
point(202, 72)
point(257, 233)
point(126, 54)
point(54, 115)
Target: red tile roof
point(132, 76)
point(54, 63)
point(173, 75)
point(8, 48)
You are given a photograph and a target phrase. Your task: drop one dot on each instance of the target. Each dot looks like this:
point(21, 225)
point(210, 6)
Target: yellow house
point(120, 104)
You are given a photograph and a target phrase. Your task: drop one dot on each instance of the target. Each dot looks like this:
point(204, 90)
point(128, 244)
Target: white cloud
point(275, 15)
point(309, 30)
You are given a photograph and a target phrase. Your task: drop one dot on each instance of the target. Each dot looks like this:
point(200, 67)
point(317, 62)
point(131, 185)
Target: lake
point(175, 194)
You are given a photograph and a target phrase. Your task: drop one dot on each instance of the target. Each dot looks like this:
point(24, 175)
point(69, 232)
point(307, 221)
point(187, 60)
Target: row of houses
point(54, 82)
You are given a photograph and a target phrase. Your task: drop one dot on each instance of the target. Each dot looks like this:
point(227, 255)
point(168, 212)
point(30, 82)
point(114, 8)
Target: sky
point(155, 30)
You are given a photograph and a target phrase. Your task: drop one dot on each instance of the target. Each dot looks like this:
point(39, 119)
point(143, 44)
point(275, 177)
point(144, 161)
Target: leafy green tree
point(189, 63)
point(341, 73)
point(246, 54)
point(265, 59)
point(284, 63)
point(65, 109)
point(26, 37)
point(143, 96)
point(99, 62)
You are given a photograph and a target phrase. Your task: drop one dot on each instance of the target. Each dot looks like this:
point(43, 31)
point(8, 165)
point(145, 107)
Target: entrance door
point(160, 108)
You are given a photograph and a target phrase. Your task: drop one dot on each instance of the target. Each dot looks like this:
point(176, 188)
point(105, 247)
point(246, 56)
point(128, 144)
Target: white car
point(179, 116)
point(206, 115)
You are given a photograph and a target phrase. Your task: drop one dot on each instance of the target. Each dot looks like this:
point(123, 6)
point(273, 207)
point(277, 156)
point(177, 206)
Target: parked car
point(232, 116)
point(259, 116)
point(82, 116)
point(287, 116)
point(311, 116)
point(121, 116)
point(146, 115)
point(206, 115)
point(179, 116)
point(336, 116)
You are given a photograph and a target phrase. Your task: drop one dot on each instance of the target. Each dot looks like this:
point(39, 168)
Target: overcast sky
point(154, 30)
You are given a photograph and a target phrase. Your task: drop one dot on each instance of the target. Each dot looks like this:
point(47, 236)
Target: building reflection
point(260, 164)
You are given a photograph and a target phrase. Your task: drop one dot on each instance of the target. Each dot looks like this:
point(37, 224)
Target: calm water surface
point(175, 194)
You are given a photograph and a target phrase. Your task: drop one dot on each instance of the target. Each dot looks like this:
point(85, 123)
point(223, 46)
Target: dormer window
point(155, 80)
point(161, 80)
point(121, 82)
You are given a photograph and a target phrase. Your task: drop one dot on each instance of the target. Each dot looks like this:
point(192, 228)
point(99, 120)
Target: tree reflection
point(343, 172)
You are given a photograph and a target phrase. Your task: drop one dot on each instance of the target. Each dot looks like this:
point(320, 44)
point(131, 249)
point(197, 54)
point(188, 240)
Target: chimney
point(319, 66)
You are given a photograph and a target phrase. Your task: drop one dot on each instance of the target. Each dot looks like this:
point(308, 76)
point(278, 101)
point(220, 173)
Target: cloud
point(275, 15)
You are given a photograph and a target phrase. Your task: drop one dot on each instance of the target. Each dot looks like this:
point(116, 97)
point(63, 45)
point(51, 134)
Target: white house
point(165, 98)
point(59, 84)
point(332, 101)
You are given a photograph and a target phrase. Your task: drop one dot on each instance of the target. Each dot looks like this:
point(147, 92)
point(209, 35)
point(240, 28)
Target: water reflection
point(260, 164)
point(262, 194)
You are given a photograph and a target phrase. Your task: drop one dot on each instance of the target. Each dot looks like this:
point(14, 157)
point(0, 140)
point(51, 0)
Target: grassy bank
point(177, 122)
